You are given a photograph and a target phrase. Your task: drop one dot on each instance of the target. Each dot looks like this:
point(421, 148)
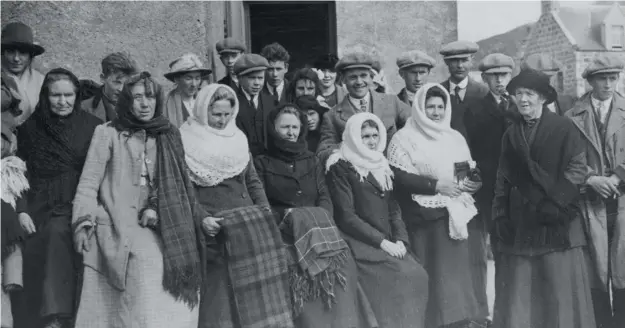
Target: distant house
point(511, 43)
point(574, 36)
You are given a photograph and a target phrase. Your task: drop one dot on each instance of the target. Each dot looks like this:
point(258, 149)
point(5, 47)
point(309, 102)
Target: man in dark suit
point(230, 50)
point(414, 68)
point(550, 66)
point(276, 85)
point(356, 72)
point(254, 106)
point(458, 56)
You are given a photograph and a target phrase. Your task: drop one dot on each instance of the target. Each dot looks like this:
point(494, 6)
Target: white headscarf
point(363, 159)
point(213, 155)
point(431, 149)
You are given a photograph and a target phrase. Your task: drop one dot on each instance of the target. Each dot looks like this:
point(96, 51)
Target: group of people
point(323, 201)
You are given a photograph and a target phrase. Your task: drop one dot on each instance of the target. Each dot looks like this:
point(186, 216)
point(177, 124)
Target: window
point(617, 36)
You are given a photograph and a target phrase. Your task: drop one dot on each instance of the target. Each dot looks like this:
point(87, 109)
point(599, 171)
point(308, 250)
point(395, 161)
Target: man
point(116, 68)
point(331, 92)
point(356, 71)
point(600, 116)
point(187, 72)
point(230, 50)
point(254, 105)
point(550, 66)
point(458, 56)
point(414, 68)
point(278, 59)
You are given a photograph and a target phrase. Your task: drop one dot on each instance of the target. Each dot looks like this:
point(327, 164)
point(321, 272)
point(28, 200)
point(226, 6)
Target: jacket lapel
point(582, 117)
point(616, 121)
point(403, 96)
point(374, 182)
point(345, 109)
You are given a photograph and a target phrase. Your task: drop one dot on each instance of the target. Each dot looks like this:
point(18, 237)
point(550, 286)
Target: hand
point(149, 218)
point(211, 226)
point(602, 186)
point(448, 188)
point(615, 181)
point(391, 248)
point(81, 239)
point(322, 102)
point(470, 187)
point(402, 248)
point(27, 223)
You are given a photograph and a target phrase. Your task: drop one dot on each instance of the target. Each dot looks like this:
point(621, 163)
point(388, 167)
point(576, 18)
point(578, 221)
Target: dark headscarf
point(302, 74)
point(286, 150)
point(306, 103)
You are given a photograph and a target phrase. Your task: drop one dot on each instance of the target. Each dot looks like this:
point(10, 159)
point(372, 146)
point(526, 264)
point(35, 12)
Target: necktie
point(457, 93)
point(252, 103)
point(363, 105)
point(503, 105)
point(601, 113)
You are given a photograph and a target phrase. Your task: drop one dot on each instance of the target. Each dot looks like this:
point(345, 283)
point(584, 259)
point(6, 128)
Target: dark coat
point(97, 107)
point(253, 122)
point(293, 184)
point(403, 96)
point(227, 80)
point(564, 103)
point(283, 95)
point(406, 184)
point(475, 91)
point(362, 210)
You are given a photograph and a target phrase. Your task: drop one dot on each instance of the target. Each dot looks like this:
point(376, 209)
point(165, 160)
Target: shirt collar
point(410, 95)
point(248, 96)
point(356, 102)
point(496, 97)
point(596, 103)
point(277, 89)
point(463, 84)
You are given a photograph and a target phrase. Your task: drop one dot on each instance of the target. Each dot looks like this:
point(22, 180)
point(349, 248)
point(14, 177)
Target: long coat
point(175, 109)
point(388, 108)
point(475, 91)
point(594, 210)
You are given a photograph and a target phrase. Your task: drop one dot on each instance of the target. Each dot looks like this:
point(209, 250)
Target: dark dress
point(302, 184)
point(396, 288)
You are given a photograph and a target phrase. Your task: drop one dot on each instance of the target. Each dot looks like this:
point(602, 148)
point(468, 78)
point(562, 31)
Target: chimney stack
point(548, 6)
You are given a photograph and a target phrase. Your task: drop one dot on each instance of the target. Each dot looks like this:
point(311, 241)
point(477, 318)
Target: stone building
point(77, 34)
point(574, 36)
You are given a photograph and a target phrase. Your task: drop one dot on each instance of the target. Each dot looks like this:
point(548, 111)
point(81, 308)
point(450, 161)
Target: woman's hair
point(151, 89)
point(222, 94)
point(289, 109)
point(436, 91)
point(302, 74)
point(370, 124)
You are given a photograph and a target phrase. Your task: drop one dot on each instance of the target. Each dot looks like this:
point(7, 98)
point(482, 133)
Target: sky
point(478, 20)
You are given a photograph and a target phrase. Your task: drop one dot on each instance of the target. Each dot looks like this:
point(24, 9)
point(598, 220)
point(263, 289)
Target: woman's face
point(304, 87)
point(15, 61)
point(435, 109)
point(189, 83)
point(62, 97)
point(529, 102)
point(329, 78)
point(288, 127)
point(143, 105)
point(370, 137)
point(220, 114)
point(313, 119)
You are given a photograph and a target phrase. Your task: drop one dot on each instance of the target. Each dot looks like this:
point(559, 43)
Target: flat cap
point(604, 63)
point(541, 62)
point(414, 58)
point(459, 49)
point(497, 63)
point(249, 63)
point(356, 60)
point(230, 45)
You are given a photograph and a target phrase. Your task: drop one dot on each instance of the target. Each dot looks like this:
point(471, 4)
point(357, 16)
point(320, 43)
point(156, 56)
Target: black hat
point(308, 102)
point(326, 62)
point(534, 80)
point(19, 35)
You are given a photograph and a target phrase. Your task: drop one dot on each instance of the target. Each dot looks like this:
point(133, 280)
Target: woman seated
point(135, 220)
point(53, 142)
point(226, 183)
point(436, 209)
point(294, 179)
point(314, 116)
point(360, 182)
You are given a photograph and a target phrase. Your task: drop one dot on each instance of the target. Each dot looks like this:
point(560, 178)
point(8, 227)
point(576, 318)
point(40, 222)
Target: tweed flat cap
point(414, 58)
point(497, 63)
point(230, 45)
point(541, 62)
point(459, 49)
point(603, 63)
point(249, 63)
point(356, 60)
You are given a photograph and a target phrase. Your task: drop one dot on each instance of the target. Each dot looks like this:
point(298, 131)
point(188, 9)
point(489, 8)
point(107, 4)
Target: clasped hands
point(396, 249)
point(606, 187)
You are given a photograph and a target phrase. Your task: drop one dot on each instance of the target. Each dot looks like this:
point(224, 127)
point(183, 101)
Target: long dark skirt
point(457, 271)
point(216, 301)
point(397, 289)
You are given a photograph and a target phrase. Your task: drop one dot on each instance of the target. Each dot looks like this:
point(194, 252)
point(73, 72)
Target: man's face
point(603, 85)
point(497, 82)
point(253, 82)
point(228, 58)
point(15, 60)
point(113, 85)
point(459, 67)
point(275, 72)
point(189, 83)
point(415, 76)
point(357, 81)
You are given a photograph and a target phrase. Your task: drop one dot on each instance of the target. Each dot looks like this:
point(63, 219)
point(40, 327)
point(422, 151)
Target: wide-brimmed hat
point(19, 35)
point(534, 80)
point(186, 63)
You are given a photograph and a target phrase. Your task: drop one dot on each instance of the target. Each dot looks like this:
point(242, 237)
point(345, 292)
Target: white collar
point(410, 95)
point(496, 96)
point(463, 84)
point(277, 89)
point(598, 103)
point(248, 96)
point(356, 102)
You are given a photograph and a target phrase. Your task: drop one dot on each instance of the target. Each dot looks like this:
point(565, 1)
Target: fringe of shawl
point(14, 181)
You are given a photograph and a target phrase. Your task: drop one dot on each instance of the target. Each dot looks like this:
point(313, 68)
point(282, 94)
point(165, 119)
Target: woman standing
point(305, 83)
point(53, 142)
point(436, 209)
point(221, 168)
point(360, 182)
point(542, 277)
point(136, 220)
point(330, 90)
point(314, 116)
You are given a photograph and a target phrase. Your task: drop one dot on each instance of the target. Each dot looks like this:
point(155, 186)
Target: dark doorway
point(305, 29)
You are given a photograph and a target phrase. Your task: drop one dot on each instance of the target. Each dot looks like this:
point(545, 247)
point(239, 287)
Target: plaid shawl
point(257, 267)
point(320, 252)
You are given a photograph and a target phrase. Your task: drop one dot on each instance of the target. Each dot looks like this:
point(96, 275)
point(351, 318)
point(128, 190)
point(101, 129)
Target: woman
point(542, 277)
point(436, 209)
point(314, 116)
point(225, 180)
point(304, 83)
point(360, 182)
point(330, 90)
point(293, 178)
point(134, 220)
point(53, 142)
